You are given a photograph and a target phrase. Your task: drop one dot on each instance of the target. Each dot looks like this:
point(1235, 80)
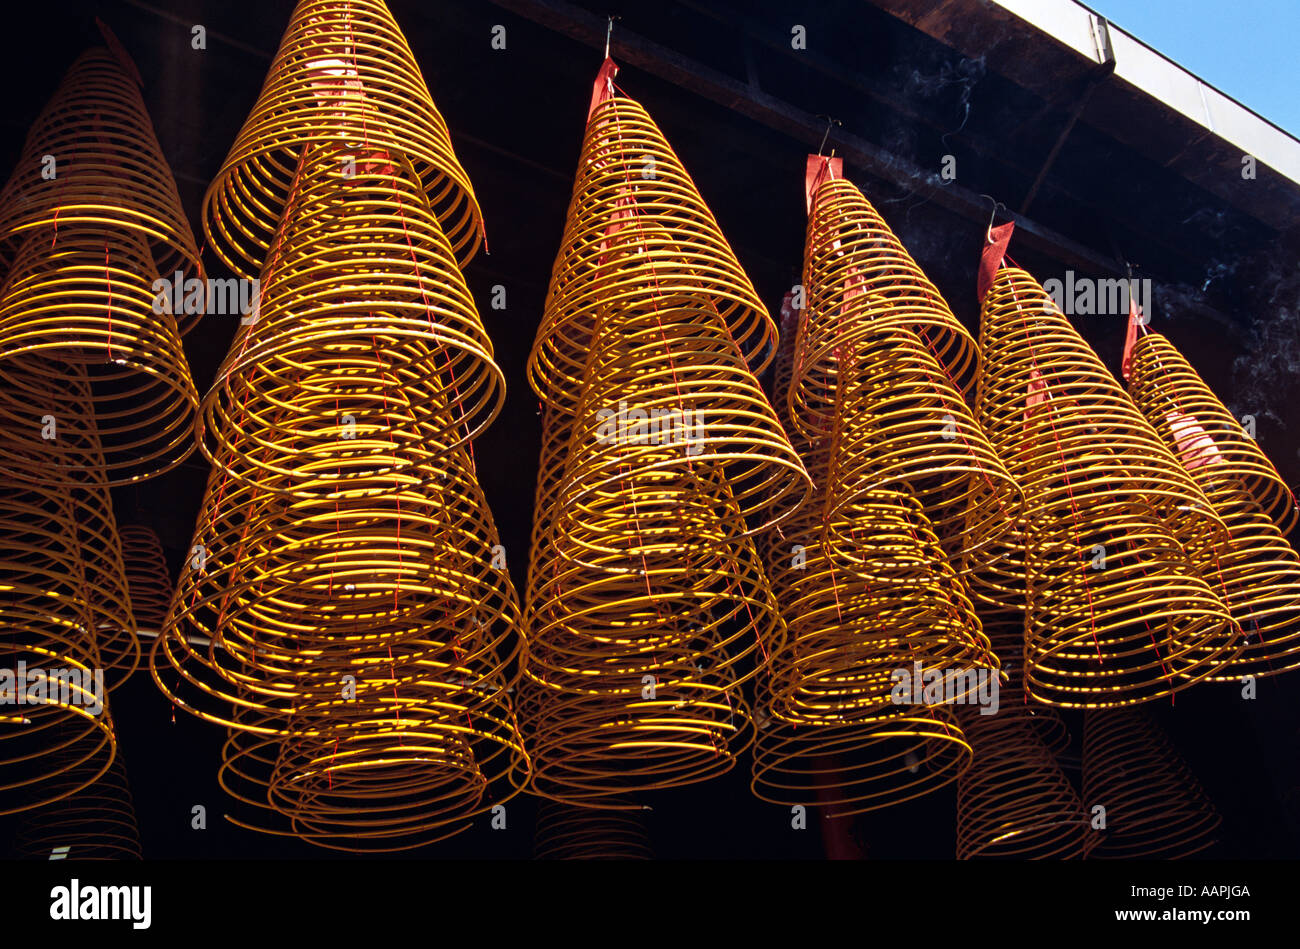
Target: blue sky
point(1249, 49)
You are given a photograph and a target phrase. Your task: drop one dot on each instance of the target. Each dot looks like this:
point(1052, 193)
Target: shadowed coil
point(574, 833)
point(1116, 612)
point(1254, 570)
point(342, 77)
point(95, 823)
point(92, 164)
point(1155, 806)
point(148, 578)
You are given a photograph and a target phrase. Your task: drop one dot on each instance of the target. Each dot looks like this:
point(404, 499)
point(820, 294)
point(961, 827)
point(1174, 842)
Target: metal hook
point(829, 122)
point(609, 32)
point(988, 231)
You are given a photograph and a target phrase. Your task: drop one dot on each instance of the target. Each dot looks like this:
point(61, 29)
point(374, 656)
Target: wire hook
point(609, 32)
point(829, 122)
point(988, 231)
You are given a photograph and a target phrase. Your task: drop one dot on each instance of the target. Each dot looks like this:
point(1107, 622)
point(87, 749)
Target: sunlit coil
point(343, 76)
point(859, 280)
point(1116, 612)
point(85, 355)
point(92, 164)
point(95, 823)
point(1016, 802)
point(1155, 807)
point(1254, 570)
point(366, 343)
point(147, 576)
point(632, 190)
point(575, 833)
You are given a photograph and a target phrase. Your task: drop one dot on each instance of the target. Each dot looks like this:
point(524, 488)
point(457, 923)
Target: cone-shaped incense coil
point(867, 765)
point(92, 163)
point(899, 422)
point(1155, 807)
point(343, 76)
point(54, 719)
point(858, 279)
point(83, 346)
point(1015, 801)
point(367, 343)
point(576, 833)
point(1255, 571)
point(96, 823)
point(1205, 436)
point(279, 587)
point(1116, 612)
point(147, 576)
point(1006, 632)
point(631, 189)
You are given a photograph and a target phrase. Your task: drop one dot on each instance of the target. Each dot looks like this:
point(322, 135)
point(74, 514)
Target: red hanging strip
point(603, 88)
point(817, 168)
point(995, 248)
point(1130, 337)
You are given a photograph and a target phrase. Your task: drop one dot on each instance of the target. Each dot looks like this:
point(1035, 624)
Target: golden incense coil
point(367, 343)
point(1155, 807)
point(345, 77)
point(1006, 632)
point(1254, 570)
point(92, 164)
point(86, 356)
point(1116, 612)
point(575, 833)
point(859, 280)
point(1205, 436)
point(147, 576)
point(95, 823)
point(54, 720)
point(1015, 801)
point(632, 190)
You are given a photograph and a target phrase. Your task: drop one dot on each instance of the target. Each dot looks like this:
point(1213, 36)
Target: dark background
point(516, 118)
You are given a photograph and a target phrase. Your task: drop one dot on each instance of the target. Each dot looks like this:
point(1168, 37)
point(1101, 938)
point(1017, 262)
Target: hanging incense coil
point(54, 719)
point(1098, 483)
point(863, 766)
point(900, 423)
point(1255, 571)
point(575, 833)
point(95, 823)
point(1210, 441)
point(632, 190)
point(859, 280)
point(366, 342)
point(1016, 802)
point(92, 165)
point(1006, 632)
point(147, 576)
point(1155, 807)
point(343, 77)
point(84, 349)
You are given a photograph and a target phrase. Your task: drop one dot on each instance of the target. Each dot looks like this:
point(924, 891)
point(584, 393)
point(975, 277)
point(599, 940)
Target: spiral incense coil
point(859, 280)
point(366, 339)
point(54, 718)
point(632, 190)
point(147, 576)
point(95, 823)
point(277, 586)
point(345, 77)
point(107, 176)
point(1255, 571)
point(1156, 809)
point(597, 751)
point(901, 423)
point(854, 626)
point(83, 349)
point(1016, 802)
point(575, 833)
point(867, 765)
point(1204, 435)
point(1116, 612)
point(1006, 632)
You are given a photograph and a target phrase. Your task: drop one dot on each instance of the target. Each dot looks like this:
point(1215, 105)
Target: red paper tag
point(817, 169)
point(991, 257)
point(603, 88)
point(1130, 337)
